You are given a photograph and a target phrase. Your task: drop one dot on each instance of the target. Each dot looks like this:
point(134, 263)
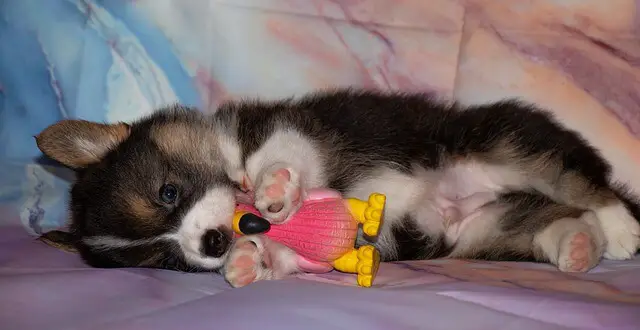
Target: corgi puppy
point(501, 181)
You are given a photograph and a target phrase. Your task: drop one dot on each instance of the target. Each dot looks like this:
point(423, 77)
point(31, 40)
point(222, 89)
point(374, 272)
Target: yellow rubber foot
point(373, 214)
point(368, 264)
point(347, 263)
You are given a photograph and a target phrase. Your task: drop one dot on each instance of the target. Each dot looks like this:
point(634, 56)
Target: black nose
point(215, 243)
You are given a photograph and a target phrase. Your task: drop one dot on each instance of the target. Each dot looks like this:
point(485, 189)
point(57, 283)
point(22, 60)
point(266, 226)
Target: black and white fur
point(501, 181)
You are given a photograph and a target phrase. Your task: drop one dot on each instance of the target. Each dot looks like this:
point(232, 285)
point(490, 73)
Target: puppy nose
point(215, 243)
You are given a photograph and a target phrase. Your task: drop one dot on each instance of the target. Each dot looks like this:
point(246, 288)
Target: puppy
point(502, 181)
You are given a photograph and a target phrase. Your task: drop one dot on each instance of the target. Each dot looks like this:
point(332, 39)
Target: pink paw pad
point(279, 193)
point(580, 253)
point(244, 265)
point(277, 190)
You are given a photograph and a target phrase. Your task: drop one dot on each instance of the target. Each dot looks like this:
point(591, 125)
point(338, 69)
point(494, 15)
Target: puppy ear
point(60, 240)
point(78, 143)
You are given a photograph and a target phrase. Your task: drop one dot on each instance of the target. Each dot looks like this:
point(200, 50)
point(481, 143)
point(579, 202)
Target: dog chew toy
point(323, 232)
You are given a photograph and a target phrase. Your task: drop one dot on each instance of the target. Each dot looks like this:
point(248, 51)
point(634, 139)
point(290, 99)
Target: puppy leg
point(282, 169)
point(572, 244)
point(587, 190)
point(531, 226)
point(556, 162)
point(254, 258)
point(621, 230)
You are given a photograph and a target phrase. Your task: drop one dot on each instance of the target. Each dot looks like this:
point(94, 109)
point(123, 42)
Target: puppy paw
point(278, 194)
point(621, 231)
point(578, 252)
point(247, 263)
point(572, 244)
point(255, 257)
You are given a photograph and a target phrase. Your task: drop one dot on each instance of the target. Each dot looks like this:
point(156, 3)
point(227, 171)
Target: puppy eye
point(168, 193)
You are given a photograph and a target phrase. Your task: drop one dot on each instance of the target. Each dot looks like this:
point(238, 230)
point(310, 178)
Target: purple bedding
point(44, 288)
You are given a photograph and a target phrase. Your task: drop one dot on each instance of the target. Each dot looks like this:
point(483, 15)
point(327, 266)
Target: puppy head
point(156, 193)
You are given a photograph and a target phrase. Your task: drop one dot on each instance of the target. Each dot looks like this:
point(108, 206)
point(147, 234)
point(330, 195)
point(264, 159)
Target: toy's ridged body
point(324, 229)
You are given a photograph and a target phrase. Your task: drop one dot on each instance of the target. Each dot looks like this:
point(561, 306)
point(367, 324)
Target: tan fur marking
point(540, 165)
point(141, 208)
point(191, 143)
point(577, 191)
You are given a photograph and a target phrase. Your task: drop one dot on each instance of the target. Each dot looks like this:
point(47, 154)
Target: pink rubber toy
point(323, 232)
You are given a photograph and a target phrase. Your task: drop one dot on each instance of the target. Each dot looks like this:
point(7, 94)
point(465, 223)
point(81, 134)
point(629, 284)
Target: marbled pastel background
point(116, 60)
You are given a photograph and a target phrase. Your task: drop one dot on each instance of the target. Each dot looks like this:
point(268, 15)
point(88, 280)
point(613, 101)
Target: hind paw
point(578, 253)
point(572, 244)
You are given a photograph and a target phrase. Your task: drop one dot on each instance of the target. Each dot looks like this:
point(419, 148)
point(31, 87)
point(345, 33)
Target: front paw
point(256, 257)
point(247, 262)
point(279, 193)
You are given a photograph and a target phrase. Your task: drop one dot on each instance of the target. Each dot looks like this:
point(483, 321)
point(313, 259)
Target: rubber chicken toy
point(323, 232)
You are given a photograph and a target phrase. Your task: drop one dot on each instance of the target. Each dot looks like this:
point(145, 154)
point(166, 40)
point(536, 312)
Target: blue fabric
point(94, 60)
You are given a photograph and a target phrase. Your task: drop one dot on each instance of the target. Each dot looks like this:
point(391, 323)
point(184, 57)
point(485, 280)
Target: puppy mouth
point(245, 197)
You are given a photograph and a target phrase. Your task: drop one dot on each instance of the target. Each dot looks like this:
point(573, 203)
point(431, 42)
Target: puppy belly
point(464, 189)
point(457, 214)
